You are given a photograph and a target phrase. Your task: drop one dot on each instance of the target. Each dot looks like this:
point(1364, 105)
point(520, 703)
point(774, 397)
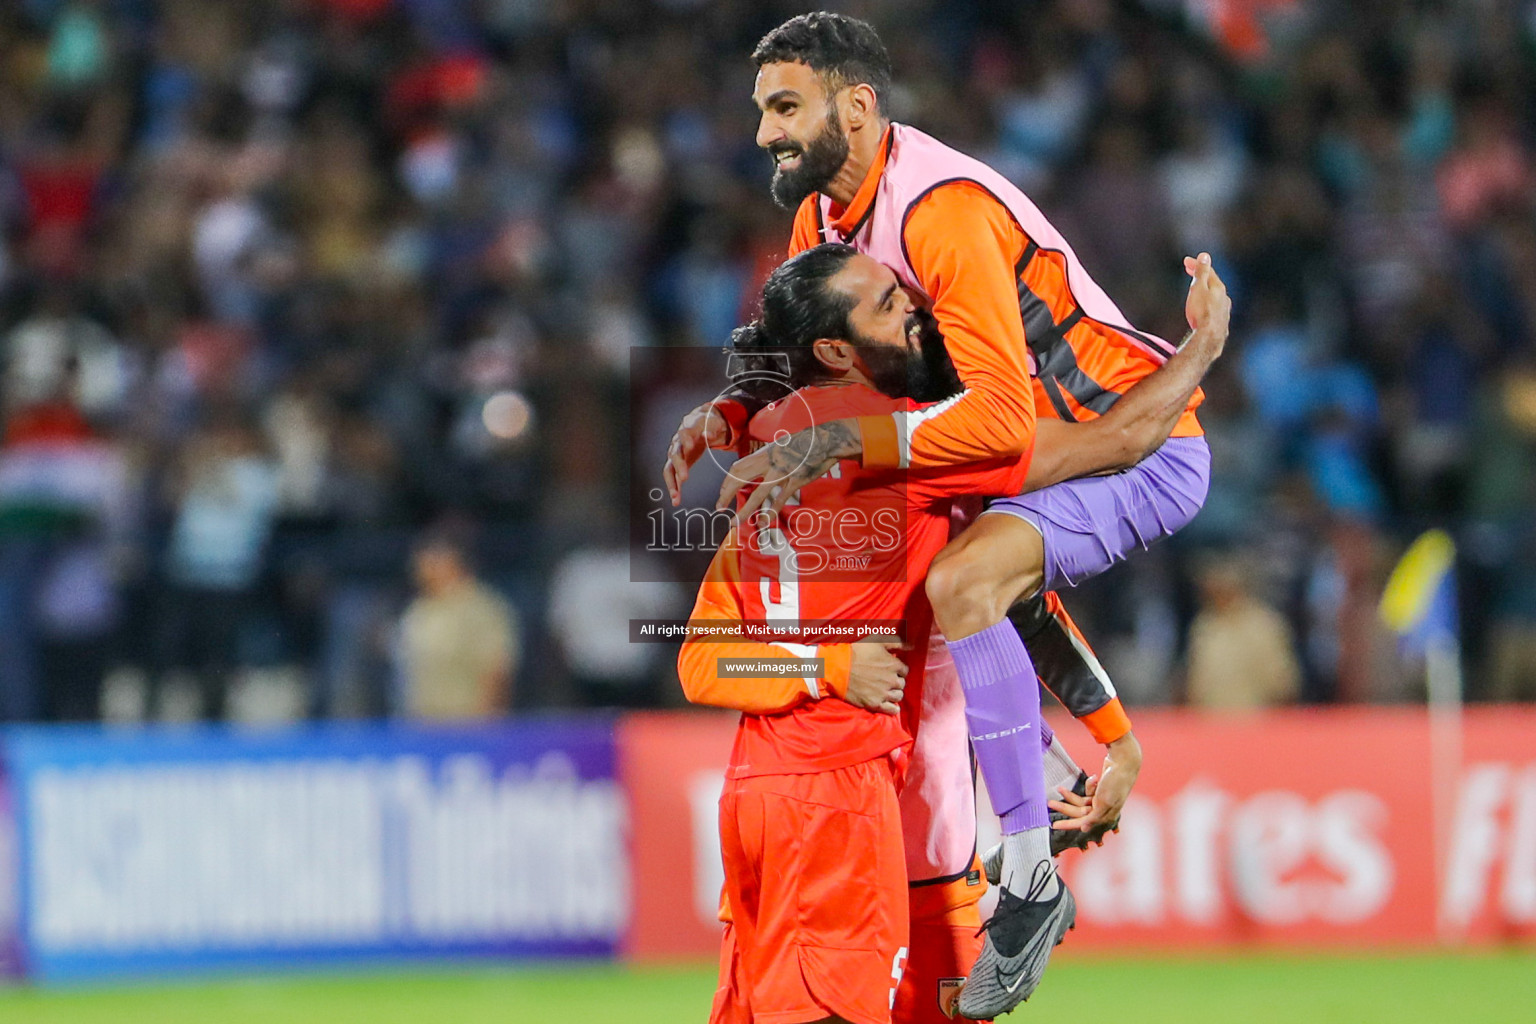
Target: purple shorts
point(1093, 522)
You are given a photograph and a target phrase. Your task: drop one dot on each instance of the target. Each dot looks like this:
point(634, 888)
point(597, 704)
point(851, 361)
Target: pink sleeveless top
point(915, 165)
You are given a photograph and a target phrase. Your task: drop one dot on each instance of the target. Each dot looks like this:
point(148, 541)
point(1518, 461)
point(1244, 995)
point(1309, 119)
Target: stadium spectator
point(400, 211)
point(458, 640)
point(1241, 651)
point(225, 494)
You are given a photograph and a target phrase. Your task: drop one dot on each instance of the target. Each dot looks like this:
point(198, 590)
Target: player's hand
point(1076, 807)
point(1207, 307)
point(1099, 811)
point(779, 469)
point(876, 677)
point(702, 428)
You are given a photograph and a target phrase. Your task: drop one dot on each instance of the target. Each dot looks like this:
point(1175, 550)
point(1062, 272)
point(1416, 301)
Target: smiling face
point(882, 312)
point(800, 129)
point(899, 346)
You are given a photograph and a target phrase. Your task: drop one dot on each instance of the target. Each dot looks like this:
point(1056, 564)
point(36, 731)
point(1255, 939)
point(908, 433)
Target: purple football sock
point(1002, 713)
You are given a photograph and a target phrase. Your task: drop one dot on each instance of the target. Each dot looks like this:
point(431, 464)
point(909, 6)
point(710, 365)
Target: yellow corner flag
point(1420, 597)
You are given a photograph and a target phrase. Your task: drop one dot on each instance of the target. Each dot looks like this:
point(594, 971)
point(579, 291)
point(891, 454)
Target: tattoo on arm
point(810, 453)
point(786, 465)
point(833, 441)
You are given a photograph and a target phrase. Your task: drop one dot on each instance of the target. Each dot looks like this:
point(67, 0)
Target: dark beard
point(819, 163)
point(926, 375)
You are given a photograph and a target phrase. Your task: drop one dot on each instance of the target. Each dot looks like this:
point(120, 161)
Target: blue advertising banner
point(10, 886)
point(177, 850)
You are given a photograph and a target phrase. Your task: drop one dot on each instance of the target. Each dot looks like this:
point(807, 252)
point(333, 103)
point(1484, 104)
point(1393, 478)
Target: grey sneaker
point(1020, 937)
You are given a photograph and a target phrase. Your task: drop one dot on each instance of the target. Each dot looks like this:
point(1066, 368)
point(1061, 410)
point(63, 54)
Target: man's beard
point(819, 163)
point(926, 375)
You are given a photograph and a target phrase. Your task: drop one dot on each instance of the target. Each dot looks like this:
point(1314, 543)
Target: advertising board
point(10, 886)
point(1305, 829)
point(160, 851)
point(673, 767)
point(164, 851)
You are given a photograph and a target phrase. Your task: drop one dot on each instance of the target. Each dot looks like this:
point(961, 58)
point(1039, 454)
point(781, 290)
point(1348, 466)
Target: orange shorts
point(945, 942)
point(816, 887)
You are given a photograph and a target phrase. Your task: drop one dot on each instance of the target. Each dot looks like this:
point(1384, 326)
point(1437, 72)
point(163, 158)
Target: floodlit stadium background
point(288, 285)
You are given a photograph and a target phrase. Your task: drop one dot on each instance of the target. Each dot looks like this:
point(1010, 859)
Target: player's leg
point(971, 584)
point(831, 938)
point(732, 1002)
point(938, 817)
point(1057, 536)
point(1020, 546)
point(1063, 658)
point(1086, 526)
point(971, 594)
point(1061, 773)
point(1082, 528)
point(946, 939)
point(1068, 667)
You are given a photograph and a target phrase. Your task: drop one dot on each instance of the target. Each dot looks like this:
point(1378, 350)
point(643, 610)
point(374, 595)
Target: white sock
point(1023, 854)
point(1060, 769)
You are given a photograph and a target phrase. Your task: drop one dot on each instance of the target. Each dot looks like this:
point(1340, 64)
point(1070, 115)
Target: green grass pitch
point(1486, 988)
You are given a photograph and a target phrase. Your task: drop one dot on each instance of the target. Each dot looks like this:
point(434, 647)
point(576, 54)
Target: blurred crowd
point(316, 322)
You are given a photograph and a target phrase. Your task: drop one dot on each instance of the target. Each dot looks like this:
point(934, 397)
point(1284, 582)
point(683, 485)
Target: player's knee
point(964, 592)
point(971, 588)
point(944, 584)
